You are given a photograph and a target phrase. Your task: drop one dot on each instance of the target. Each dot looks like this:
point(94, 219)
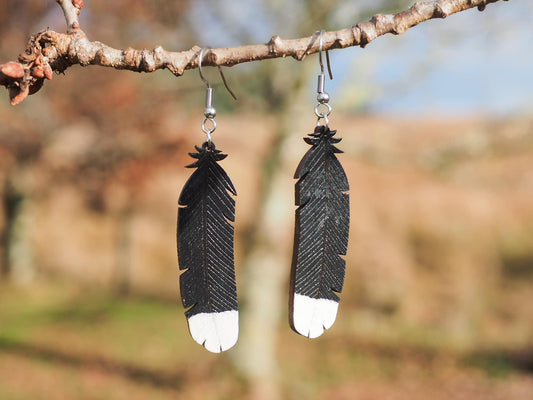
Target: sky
point(456, 66)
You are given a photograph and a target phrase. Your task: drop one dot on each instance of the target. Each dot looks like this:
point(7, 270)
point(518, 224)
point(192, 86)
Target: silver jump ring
point(322, 115)
point(209, 131)
point(326, 121)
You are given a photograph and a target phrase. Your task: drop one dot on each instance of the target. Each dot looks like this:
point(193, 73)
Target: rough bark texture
point(50, 51)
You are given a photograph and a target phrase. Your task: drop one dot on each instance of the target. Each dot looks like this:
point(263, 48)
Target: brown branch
point(49, 51)
point(71, 9)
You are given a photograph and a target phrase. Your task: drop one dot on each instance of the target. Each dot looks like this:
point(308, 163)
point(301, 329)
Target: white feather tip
point(311, 317)
point(215, 331)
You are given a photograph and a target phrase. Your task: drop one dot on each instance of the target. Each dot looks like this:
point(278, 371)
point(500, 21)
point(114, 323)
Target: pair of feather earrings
point(205, 235)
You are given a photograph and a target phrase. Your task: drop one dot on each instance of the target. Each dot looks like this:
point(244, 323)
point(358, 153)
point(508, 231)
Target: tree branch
point(49, 51)
point(71, 9)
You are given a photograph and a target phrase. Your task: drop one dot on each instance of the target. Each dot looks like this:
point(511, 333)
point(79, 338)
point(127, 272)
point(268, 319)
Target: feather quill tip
point(311, 317)
point(217, 332)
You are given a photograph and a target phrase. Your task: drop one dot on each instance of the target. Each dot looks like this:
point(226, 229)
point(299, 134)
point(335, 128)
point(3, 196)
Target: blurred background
point(437, 128)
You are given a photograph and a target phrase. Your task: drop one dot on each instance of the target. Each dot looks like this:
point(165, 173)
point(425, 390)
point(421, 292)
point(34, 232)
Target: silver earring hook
point(200, 59)
point(322, 109)
point(320, 48)
point(210, 112)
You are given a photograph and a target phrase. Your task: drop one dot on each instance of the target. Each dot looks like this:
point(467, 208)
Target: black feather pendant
point(205, 252)
point(321, 236)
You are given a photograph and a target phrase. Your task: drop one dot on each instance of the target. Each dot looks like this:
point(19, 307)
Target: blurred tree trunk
point(17, 261)
point(122, 278)
point(8, 206)
point(266, 271)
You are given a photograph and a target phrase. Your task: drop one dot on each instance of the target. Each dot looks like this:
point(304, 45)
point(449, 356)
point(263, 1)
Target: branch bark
point(49, 51)
point(71, 10)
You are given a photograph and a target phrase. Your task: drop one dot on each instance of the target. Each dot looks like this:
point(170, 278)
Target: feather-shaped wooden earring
point(321, 229)
point(205, 242)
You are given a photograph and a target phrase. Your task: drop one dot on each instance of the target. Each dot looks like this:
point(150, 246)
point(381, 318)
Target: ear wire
point(322, 96)
point(210, 112)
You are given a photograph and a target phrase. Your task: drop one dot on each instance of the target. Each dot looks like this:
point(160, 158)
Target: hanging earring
point(322, 222)
point(205, 241)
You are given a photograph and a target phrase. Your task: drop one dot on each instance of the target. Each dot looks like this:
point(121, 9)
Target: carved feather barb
point(320, 237)
point(205, 252)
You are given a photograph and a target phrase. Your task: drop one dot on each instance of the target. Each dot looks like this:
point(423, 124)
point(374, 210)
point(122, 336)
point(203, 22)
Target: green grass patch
point(495, 364)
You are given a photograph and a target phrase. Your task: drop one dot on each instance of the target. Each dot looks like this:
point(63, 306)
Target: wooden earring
point(205, 238)
point(321, 228)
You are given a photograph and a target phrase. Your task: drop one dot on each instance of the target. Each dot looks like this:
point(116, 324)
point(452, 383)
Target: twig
point(49, 51)
point(71, 9)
